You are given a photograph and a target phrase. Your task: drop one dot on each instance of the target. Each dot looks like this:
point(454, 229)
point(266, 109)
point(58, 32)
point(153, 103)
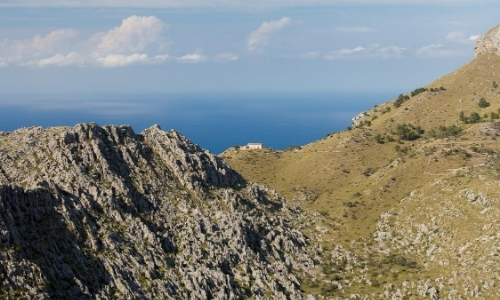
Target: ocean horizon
point(214, 121)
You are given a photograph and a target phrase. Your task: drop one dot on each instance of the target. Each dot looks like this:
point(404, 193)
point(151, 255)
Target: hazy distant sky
point(221, 45)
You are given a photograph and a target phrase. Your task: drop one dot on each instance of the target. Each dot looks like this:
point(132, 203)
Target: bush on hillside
point(445, 131)
point(383, 139)
point(418, 91)
point(409, 132)
point(483, 103)
point(399, 101)
point(473, 118)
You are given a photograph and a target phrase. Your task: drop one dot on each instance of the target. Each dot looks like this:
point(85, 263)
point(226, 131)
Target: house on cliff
point(253, 146)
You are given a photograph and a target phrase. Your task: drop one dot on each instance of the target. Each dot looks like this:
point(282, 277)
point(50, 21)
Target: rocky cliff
point(489, 42)
point(101, 212)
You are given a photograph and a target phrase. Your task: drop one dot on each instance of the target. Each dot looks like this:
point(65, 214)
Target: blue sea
point(214, 121)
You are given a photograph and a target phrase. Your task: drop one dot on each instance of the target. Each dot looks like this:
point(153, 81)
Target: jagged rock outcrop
point(95, 212)
point(488, 42)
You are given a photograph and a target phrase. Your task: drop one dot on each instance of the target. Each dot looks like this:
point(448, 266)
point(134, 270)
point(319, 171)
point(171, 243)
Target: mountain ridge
point(101, 212)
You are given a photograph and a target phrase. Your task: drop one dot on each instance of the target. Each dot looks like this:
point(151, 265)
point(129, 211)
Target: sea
point(214, 121)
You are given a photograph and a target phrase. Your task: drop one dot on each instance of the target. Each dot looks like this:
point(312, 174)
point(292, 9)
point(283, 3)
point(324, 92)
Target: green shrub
point(409, 132)
point(399, 101)
point(418, 91)
point(483, 103)
point(473, 118)
point(444, 131)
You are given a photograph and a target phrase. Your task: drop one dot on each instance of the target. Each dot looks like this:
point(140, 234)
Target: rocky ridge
point(488, 42)
point(94, 212)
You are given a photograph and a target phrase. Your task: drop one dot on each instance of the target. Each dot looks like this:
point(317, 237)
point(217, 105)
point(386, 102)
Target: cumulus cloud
point(61, 60)
point(361, 29)
point(53, 38)
point(370, 51)
point(137, 40)
point(120, 60)
point(260, 37)
point(193, 58)
point(134, 35)
point(21, 51)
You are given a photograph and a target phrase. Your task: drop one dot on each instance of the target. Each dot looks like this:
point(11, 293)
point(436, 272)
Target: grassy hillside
point(429, 153)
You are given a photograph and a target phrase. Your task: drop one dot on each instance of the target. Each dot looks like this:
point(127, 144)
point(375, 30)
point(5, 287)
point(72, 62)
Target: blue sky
point(154, 46)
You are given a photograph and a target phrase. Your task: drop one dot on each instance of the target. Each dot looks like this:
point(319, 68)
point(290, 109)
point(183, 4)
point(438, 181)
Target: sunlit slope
point(355, 175)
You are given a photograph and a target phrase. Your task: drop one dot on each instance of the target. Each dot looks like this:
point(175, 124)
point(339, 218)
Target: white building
point(253, 146)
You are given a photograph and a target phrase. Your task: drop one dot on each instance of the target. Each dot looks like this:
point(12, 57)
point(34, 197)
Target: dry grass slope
point(373, 191)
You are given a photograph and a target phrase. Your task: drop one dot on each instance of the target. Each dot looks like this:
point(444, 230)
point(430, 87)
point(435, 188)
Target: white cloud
point(370, 51)
point(458, 37)
point(193, 58)
point(440, 50)
point(53, 38)
point(134, 35)
point(61, 60)
point(474, 37)
point(136, 40)
point(350, 51)
point(361, 29)
point(226, 57)
point(120, 60)
point(20, 51)
point(455, 44)
point(260, 37)
point(391, 51)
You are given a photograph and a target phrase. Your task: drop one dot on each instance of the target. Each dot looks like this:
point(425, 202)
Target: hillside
point(90, 212)
point(410, 192)
point(404, 205)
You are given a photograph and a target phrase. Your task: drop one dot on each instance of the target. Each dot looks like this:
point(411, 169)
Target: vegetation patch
point(445, 131)
point(400, 100)
point(473, 118)
point(409, 132)
point(483, 103)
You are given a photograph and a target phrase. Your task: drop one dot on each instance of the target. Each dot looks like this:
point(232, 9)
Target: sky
point(172, 46)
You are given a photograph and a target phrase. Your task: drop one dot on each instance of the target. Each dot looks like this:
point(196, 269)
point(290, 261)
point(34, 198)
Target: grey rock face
point(488, 42)
point(95, 212)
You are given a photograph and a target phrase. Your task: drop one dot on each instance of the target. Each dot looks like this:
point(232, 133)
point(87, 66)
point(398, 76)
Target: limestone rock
point(488, 42)
point(101, 212)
